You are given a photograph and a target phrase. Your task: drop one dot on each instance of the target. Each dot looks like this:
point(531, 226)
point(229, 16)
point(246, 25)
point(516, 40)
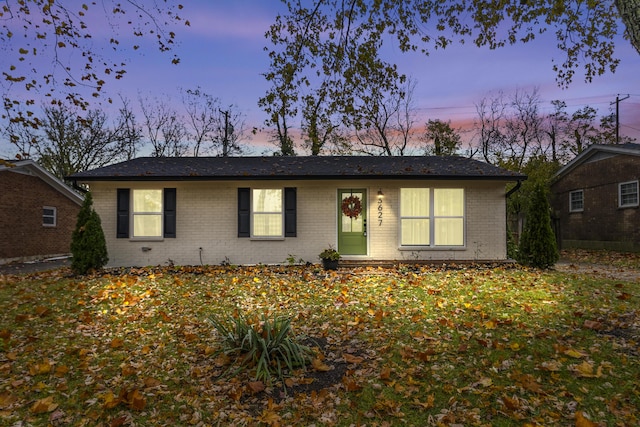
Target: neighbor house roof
point(30, 167)
point(598, 152)
point(296, 168)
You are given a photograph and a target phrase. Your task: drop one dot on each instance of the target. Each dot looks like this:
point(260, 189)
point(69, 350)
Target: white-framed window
point(576, 201)
point(267, 219)
point(628, 194)
point(49, 216)
point(432, 217)
point(147, 213)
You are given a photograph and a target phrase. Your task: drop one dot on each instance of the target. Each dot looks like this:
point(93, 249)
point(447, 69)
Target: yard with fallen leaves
point(410, 346)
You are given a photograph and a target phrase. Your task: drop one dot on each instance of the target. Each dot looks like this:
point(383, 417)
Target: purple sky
point(222, 52)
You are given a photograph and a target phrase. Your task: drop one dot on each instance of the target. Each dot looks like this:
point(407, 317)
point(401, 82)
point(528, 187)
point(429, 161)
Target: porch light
point(380, 194)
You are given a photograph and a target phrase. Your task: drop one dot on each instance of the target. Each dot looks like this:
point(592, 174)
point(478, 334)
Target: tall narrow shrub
point(88, 245)
point(538, 246)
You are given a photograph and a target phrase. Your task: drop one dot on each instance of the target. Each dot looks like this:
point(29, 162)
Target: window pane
point(267, 200)
point(448, 201)
point(414, 232)
point(147, 225)
point(414, 202)
point(449, 231)
point(267, 225)
point(629, 194)
point(48, 216)
point(147, 200)
point(351, 225)
point(576, 200)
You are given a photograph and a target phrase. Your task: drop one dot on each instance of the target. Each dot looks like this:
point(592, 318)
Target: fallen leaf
point(44, 405)
point(592, 324)
point(42, 311)
point(319, 365)
point(43, 367)
point(6, 400)
point(585, 370)
point(256, 386)
point(490, 324)
point(116, 343)
point(349, 358)
point(551, 366)
point(428, 404)
point(511, 403)
point(574, 353)
point(128, 370)
point(350, 384)
point(582, 421)
point(110, 400)
point(385, 374)
point(118, 421)
point(136, 400)
point(151, 382)
point(61, 370)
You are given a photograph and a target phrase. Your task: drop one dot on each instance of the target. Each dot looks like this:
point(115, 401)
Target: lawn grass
point(415, 346)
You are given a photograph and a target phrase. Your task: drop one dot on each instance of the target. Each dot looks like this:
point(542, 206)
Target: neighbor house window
point(628, 194)
point(431, 217)
point(146, 213)
point(49, 216)
point(576, 201)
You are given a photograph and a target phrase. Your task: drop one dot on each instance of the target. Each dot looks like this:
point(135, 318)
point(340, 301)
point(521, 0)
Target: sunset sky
point(222, 52)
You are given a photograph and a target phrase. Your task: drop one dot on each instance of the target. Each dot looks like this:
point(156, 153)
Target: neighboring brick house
point(38, 212)
point(248, 210)
point(595, 199)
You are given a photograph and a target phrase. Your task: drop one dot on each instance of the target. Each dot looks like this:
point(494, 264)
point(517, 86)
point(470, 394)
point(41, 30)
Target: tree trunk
point(629, 10)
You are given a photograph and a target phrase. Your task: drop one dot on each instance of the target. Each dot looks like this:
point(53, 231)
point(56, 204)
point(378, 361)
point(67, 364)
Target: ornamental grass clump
point(268, 345)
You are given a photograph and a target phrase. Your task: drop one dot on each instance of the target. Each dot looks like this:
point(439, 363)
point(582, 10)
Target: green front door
point(352, 222)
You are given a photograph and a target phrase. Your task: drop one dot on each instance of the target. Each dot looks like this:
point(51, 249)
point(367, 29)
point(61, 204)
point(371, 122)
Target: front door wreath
point(352, 206)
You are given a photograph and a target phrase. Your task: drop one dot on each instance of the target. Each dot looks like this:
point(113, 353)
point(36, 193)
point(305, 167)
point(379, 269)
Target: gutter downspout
point(514, 189)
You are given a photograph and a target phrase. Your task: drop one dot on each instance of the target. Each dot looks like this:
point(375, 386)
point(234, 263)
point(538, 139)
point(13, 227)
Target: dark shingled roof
point(296, 168)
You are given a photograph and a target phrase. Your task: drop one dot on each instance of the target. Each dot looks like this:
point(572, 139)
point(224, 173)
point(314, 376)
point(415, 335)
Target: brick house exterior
point(595, 199)
point(194, 211)
point(37, 213)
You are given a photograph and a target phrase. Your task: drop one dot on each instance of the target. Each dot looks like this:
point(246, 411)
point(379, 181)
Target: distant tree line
point(66, 138)
point(509, 131)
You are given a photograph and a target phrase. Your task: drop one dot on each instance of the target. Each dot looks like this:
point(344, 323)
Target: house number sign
point(379, 212)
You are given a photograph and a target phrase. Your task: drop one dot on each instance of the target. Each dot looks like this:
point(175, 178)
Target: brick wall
point(22, 235)
point(207, 219)
point(601, 220)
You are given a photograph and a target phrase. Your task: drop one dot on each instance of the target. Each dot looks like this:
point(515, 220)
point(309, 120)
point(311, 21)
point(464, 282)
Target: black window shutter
point(170, 212)
point(290, 215)
point(122, 223)
point(244, 212)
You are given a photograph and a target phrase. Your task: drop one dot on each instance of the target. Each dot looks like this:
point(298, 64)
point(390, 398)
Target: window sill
point(266, 239)
point(432, 248)
point(146, 239)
